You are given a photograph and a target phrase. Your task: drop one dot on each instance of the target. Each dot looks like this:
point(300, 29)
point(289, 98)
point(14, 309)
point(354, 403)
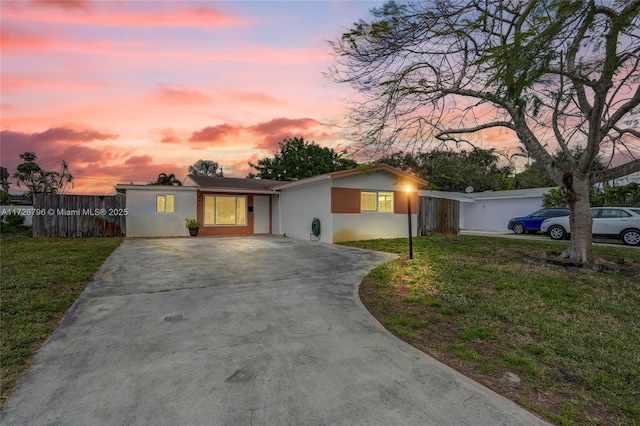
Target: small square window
point(368, 201)
point(164, 204)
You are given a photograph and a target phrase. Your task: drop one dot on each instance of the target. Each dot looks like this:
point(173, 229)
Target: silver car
point(621, 223)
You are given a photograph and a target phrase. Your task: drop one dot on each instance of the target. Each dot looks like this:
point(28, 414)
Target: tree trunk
point(577, 192)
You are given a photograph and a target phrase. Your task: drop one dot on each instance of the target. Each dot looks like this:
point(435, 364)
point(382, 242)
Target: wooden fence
point(438, 216)
point(79, 215)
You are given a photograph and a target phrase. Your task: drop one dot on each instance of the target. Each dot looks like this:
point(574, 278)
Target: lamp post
point(409, 216)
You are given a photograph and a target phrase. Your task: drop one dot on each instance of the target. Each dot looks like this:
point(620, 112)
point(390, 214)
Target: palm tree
point(167, 179)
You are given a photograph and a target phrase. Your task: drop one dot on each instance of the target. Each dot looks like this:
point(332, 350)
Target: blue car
point(531, 223)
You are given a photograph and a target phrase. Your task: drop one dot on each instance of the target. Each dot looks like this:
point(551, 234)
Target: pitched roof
point(357, 171)
point(227, 183)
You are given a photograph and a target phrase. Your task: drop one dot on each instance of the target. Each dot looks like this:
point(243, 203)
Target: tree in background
point(447, 170)
point(39, 181)
point(536, 176)
point(166, 179)
point(617, 196)
point(299, 159)
point(5, 198)
point(558, 74)
point(608, 196)
point(205, 168)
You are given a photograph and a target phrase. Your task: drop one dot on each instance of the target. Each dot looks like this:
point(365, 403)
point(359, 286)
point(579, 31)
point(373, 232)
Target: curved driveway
point(240, 331)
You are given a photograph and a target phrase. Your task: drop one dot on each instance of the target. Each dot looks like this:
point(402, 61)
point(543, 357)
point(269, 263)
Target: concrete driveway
point(240, 331)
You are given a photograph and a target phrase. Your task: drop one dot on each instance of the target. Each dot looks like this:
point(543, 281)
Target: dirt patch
point(608, 265)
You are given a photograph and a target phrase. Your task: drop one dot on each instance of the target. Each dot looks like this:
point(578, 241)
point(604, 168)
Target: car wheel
point(518, 228)
point(631, 237)
point(557, 232)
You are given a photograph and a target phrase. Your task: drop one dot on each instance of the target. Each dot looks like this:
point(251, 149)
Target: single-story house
point(491, 210)
point(362, 203)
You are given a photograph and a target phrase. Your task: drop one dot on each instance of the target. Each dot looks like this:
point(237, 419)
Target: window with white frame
point(376, 201)
point(164, 204)
point(224, 210)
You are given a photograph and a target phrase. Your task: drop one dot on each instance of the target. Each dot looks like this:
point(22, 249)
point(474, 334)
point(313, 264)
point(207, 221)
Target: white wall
point(379, 180)
point(275, 214)
point(143, 221)
point(26, 211)
point(494, 214)
point(369, 226)
point(300, 204)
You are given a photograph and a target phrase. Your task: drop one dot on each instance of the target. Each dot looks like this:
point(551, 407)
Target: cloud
point(274, 131)
point(246, 96)
point(18, 39)
point(215, 134)
point(65, 4)
point(170, 139)
point(139, 160)
point(121, 14)
point(52, 145)
point(175, 94)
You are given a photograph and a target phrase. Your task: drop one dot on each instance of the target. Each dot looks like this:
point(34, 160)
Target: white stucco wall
point(300, 204)
point(494, 214)
point(143, 221)
point(275, 214)
point(379, 180)
point(369, 226)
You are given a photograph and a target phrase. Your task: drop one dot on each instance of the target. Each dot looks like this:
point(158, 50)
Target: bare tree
point(556, 74)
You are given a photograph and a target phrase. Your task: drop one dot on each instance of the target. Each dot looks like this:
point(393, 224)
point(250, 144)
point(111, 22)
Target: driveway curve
point(240, 331)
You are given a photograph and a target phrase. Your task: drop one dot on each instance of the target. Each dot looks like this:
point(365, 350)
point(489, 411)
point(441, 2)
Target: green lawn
point(40, 280)
point(571, 337)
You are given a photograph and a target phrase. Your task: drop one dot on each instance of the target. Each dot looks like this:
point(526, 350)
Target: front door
point(261, 215)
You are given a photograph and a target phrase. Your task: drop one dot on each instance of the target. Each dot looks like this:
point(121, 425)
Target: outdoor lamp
point(408, 189)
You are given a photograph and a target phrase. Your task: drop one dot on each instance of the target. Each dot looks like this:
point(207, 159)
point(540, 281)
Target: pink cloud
point(199, 17)
point(65, 4)
point(52, 145)
point(175, 94)
point(14, 39)
point(274, 131)
point(250, 97)
point(215, 134)
point(139, 160)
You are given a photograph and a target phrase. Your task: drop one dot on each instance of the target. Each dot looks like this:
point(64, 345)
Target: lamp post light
point(409, 216)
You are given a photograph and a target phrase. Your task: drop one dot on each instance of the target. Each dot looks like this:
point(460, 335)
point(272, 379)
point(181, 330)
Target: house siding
point(142, 219)
point(494, 214)
point(299, 205)
point(345, 200)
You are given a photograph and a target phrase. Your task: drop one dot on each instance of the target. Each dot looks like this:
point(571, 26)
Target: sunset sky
point(124, 90)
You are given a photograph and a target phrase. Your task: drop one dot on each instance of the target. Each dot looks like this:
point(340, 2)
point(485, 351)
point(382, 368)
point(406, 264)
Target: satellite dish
point(468, 189)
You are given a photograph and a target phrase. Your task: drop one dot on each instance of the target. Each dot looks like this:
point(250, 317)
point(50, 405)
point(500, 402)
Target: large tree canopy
point(299, 159)
point(556, 74)
point(448, 170)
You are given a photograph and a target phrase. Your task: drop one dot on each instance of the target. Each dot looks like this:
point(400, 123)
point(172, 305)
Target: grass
point(573, 338)
point(39, 281)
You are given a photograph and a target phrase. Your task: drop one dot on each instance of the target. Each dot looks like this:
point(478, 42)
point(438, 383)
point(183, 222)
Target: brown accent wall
point(400, 202)
point(209, 230)
point(345, 200)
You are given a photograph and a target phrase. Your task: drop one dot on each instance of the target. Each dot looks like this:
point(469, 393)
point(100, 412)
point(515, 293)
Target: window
point(225, 210)
point(164, 203)
point(376, 201)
